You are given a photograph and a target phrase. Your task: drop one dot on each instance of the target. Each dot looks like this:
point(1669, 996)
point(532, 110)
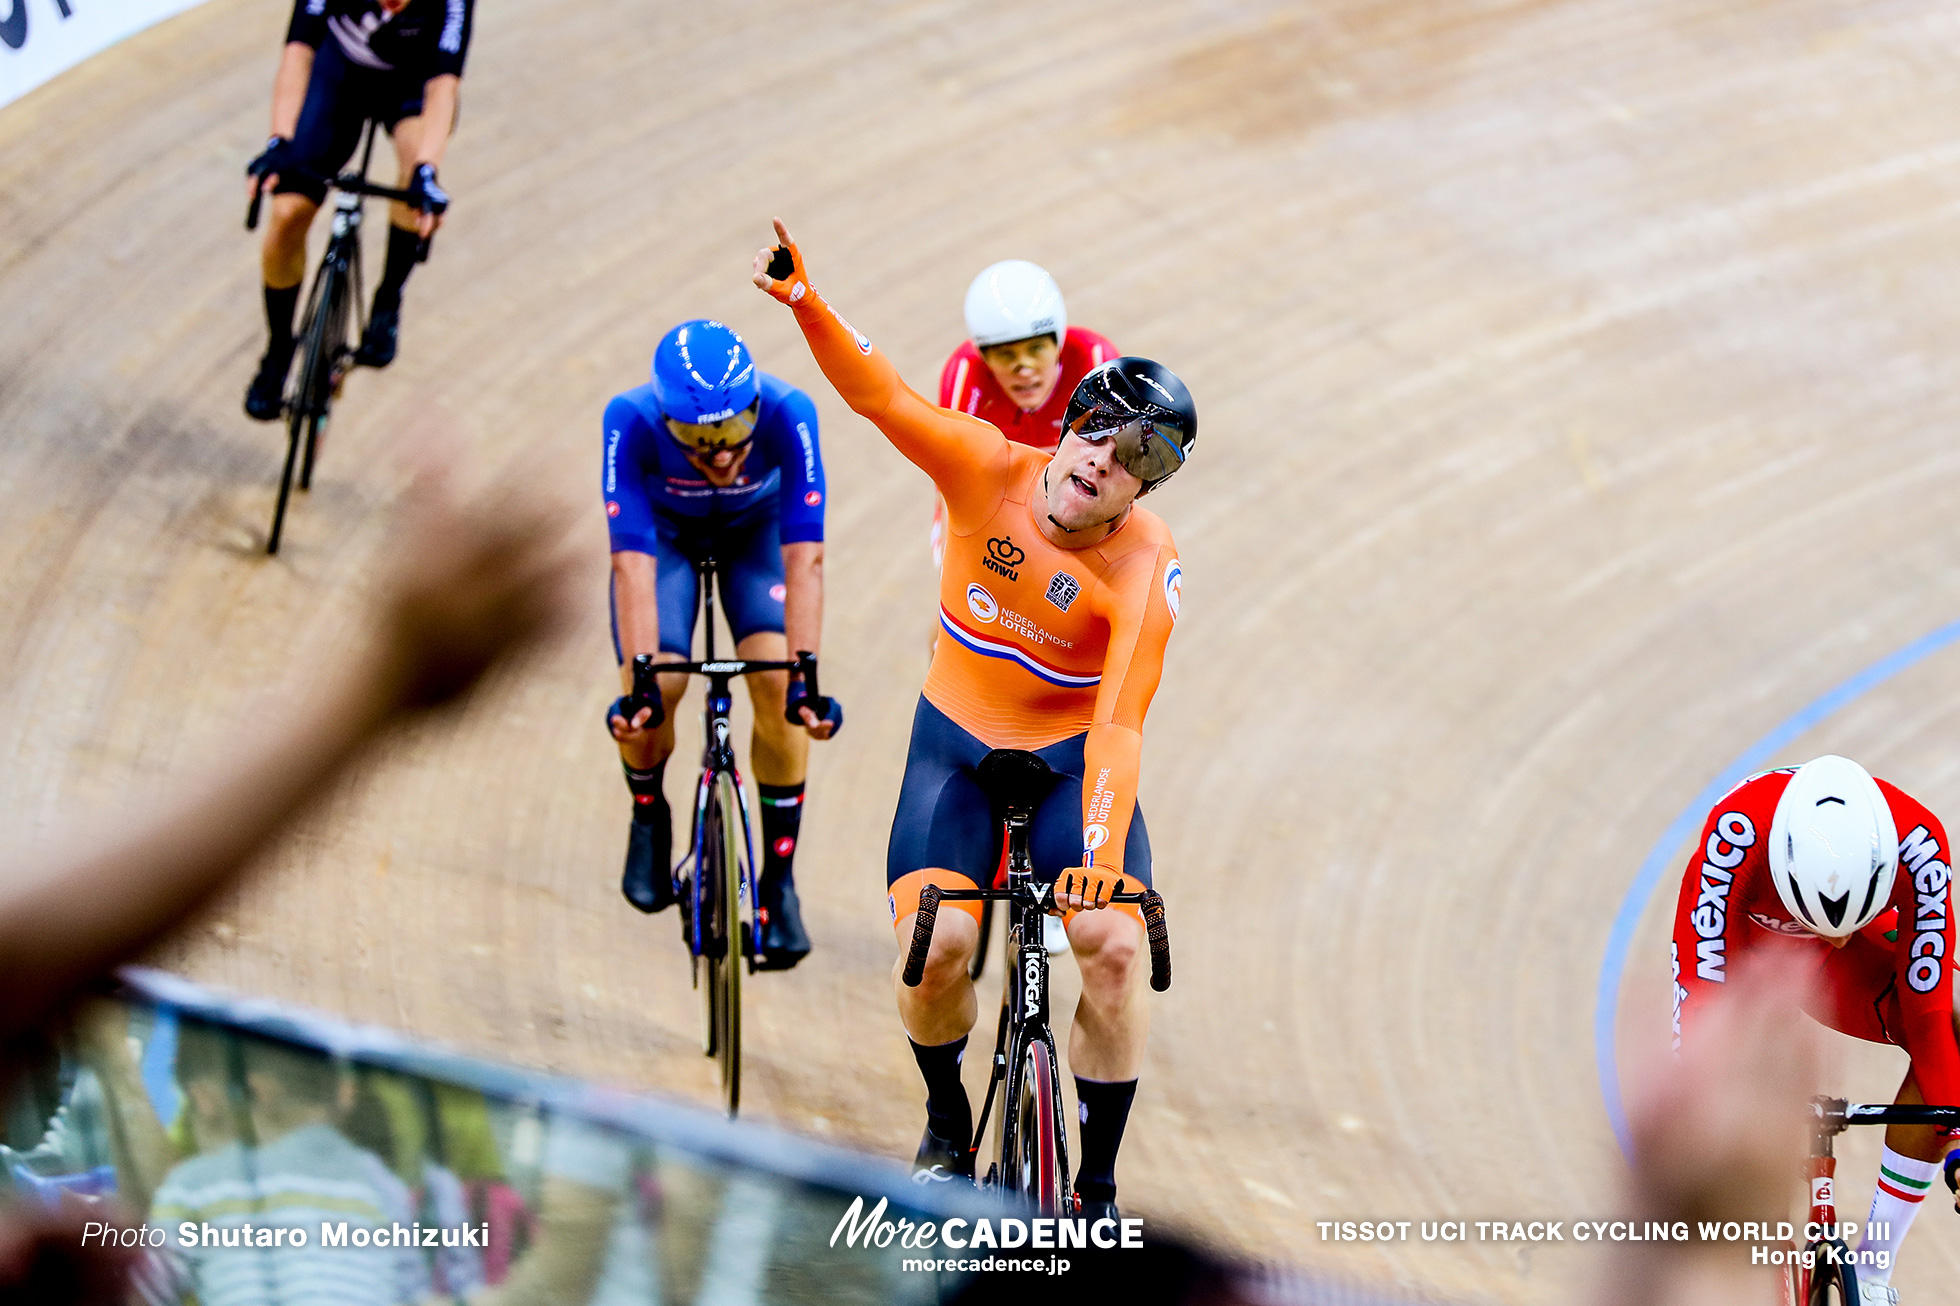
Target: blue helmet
point(702, 372)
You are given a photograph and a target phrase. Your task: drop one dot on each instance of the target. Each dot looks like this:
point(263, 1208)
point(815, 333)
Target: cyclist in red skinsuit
point(1056, 599)
point(1019, 365)
point(1890, 981)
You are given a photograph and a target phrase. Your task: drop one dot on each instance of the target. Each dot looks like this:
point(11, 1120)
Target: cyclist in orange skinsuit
point(1056, 597)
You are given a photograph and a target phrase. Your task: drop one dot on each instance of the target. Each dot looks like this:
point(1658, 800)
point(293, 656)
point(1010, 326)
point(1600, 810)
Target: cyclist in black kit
point(398, 62)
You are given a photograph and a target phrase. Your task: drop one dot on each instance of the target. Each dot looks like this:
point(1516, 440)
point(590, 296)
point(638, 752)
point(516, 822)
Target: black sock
point(1105, 1109)
point(279, 306)
point(948, 1111)
point(403, 246)
point(649, 802)
point(782, 817)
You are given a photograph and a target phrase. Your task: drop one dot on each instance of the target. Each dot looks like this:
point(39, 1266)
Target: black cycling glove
point(826, 707)
point(423, 193)
point(274, 159)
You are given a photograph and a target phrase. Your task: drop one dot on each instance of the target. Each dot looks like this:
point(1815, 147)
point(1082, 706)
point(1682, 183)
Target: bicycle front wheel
point(720, 871)
point(1033, 1164)
point(303, 410)
point(332, 366)
point(1833, 1282)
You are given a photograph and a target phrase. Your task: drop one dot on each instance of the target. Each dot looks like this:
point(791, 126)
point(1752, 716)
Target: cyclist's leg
point(1112, 1018)
point(941, 834)
point(646, 880)
point(323, 138)
point(402, 116)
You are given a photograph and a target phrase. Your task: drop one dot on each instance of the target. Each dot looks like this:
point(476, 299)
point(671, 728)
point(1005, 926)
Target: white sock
point(1903, 1183)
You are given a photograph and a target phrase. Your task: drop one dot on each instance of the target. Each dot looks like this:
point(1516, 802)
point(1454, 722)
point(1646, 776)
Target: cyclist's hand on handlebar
point(1088, 888)
point(779, 270)
point(263, 171)
point(629, 720)
point(427, 198)
point(822, 716)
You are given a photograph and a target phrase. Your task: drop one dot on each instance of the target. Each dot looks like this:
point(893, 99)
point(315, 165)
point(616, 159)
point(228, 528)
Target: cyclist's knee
point(1108, 948)
point(953, 940)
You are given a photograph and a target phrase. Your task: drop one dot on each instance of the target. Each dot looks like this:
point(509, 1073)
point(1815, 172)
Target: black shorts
point(944, 820)
point(340, 99)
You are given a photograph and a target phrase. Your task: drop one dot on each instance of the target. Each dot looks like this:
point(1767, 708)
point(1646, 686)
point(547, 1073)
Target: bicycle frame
point(1823, 1243)
point(722, 786)
point(1025, 1010)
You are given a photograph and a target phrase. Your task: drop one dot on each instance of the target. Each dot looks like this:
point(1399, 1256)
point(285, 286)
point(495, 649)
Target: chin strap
point(1077, 530)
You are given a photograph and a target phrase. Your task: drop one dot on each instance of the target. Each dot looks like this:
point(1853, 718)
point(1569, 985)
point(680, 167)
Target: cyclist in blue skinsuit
point(716, 457)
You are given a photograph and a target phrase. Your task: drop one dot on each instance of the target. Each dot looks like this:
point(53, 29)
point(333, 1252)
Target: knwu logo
point(1003, 556)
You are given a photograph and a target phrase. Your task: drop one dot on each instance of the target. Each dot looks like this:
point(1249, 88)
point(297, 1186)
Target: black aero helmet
point(1144, 408)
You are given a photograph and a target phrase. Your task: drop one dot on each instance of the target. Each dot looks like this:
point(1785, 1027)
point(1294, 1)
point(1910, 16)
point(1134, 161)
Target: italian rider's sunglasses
point(1148, 447)
point(729, 435)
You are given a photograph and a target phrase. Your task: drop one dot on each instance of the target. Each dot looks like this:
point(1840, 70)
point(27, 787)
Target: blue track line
point(1612, 967)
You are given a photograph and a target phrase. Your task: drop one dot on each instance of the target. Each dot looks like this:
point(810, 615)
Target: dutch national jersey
point(427, 38)
point(649, 480)
point(1891, 981)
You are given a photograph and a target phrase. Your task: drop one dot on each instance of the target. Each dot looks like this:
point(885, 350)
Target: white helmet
point(1013, 300)
point(1833, 848)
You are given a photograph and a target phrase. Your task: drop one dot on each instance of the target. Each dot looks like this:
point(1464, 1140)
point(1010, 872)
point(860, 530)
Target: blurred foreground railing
point(279, 1157)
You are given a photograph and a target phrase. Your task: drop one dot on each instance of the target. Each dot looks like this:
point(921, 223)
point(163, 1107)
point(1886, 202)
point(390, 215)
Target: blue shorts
point(748, 576)
point(944, 820)
point(341, 97)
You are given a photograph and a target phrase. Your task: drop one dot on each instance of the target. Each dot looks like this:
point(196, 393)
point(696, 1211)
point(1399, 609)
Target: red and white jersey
point(1890, 983)
point(967, 385)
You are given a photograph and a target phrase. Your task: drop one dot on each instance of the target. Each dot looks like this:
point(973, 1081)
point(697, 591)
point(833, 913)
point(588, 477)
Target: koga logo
point(1919, 851)
point(1062, 589)
point(1094, 835)
point(1173, 587)
point(1003, 556)
point(1728, 843)
point(1778, 925)
point(1031, 983)
point(980, 603)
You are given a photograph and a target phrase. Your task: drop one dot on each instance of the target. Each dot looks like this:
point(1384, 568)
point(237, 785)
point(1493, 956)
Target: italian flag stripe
point(1917, 1185)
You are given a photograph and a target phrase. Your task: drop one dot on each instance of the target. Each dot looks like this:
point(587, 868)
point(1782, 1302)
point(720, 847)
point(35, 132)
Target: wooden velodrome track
point(1578, 403)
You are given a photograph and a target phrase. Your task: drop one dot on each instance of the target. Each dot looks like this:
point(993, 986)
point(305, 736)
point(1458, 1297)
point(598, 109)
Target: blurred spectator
point(465, 588)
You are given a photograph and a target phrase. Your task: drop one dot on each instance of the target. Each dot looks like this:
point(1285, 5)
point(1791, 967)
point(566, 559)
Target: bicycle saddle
point(1013, 780)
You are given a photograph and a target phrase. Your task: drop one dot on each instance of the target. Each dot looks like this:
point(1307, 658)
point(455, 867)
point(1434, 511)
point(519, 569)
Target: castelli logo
point(777, 592)
point(612, 509)
point(785, 846)
point(813, 498)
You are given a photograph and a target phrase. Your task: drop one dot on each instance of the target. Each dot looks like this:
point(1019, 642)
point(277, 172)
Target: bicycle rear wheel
point(1033, 1164)
point(721, 900)
point(303, 409)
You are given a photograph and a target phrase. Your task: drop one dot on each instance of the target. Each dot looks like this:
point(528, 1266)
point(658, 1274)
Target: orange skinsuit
point(1043, 642)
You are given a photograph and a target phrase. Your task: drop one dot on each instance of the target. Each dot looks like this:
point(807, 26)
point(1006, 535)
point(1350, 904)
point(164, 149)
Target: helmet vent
point(1832, 799)
point(1871, 894)
point(1796, 897)
point(1834, 907)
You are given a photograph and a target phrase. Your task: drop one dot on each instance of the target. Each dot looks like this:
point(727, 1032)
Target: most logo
point(980, 603)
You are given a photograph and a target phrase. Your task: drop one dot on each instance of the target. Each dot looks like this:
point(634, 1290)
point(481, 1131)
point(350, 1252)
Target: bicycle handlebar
point(932, 895)
point(1835, 1113)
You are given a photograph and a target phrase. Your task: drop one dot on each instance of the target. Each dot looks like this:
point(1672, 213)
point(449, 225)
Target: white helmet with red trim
point(1833, 847)
point(1013, 300)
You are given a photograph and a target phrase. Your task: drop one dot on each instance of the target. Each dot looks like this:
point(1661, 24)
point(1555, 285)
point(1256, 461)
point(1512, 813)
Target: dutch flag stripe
point(994, 649)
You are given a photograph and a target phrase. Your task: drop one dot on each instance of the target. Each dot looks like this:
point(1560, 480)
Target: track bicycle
point(336, 299)
point(1032, 1162)
point(1825, 1275)
point(716, 885)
